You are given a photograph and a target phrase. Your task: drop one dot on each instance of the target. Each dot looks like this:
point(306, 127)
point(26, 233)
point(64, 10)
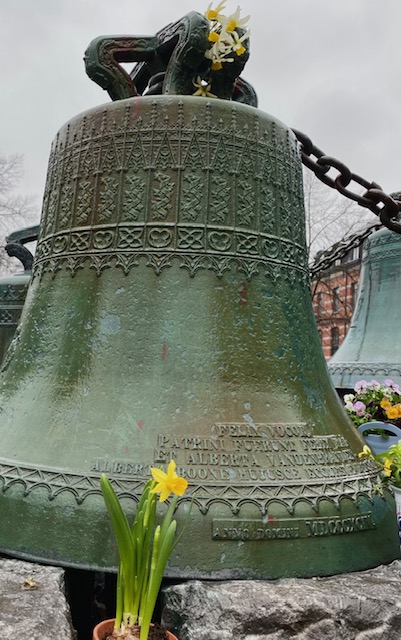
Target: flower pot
point(377, 442)
point(397, 496)
point(105, 628)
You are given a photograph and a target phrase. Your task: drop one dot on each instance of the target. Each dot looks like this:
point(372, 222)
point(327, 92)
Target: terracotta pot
point(106, 626)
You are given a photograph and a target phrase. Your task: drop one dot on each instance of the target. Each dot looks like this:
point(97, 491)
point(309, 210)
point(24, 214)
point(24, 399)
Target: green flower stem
point(161, 552)
point(124, 539)
point(168, 517)
point(146, 611)
point(119, 598)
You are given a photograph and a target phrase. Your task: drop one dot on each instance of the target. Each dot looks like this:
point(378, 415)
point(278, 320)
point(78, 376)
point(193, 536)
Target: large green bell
point(169, 317)
point(371, 348)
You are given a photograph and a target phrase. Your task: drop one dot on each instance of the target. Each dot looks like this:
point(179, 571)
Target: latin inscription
point(290, 528)
point(248, 452)
point(253, 452)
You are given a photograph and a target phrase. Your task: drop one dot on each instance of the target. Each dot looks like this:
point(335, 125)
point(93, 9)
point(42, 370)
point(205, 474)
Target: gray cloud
point(330, 69)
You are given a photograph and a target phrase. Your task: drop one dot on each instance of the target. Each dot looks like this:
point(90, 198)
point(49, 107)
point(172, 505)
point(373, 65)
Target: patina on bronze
point(13, 288)
point(169, 317)
point(370, 350)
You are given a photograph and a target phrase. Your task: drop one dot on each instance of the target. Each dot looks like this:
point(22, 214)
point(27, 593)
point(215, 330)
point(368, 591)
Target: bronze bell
point(169, 317)
point(13, 288)
point(371, 349)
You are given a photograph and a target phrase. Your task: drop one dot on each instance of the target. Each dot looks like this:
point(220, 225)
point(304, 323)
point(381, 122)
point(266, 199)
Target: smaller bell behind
point(14, 287)
point(372, 348)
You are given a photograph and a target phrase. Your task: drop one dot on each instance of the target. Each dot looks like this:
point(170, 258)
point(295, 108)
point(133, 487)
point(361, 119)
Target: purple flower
point(359, 408)
point(361, 384)
point(392, 387)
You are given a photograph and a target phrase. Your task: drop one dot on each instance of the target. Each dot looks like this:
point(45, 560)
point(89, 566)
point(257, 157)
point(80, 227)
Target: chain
point(325, 259)
point(374, 198)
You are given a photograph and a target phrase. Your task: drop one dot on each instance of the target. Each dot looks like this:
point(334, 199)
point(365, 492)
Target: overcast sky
point(330, 68)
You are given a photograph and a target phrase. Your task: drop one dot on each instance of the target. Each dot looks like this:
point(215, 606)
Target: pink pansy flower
point(362, 384)
point(359, 408)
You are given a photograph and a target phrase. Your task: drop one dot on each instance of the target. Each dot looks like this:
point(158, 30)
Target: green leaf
point(124, 539)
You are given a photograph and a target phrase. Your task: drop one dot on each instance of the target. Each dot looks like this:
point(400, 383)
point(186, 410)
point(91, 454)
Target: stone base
point(359, 606)
point(32, 602)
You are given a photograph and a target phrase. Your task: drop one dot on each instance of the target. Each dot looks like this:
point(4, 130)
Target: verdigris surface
point(368, 350)
point(169, 317)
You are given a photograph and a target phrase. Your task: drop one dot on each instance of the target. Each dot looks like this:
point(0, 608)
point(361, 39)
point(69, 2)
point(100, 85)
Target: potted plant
point(144, 549)
point(375, 410)
point(390, 462)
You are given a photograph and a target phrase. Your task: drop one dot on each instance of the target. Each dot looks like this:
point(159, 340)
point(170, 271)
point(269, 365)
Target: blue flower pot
point(377, 442)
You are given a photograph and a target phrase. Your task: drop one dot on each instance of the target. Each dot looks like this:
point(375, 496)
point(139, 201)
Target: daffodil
point(237, 42)
point(218, 62)
point(217, 57)
point(219, 49)
point(213, 36)
point(224, 37)
point(168, 482)
point(231, 23)
point(203, 88)
point(214, 14)
point(144, 549)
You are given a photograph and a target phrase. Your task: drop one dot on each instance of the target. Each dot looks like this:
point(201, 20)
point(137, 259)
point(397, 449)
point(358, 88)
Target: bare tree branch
point(330, 217)
point(16, 210)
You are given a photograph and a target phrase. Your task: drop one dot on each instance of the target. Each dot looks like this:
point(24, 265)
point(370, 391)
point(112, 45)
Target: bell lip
point(196, 574)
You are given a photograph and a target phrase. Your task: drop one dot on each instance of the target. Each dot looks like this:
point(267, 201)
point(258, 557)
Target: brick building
point(334, 294)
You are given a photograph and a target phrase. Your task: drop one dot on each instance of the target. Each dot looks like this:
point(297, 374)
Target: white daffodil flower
point(231, 23)
point(203, 88)
point(225, 40)
point(236, 43)
point(214, 14)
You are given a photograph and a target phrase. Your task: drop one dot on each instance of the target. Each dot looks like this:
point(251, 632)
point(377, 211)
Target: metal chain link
point(374, 198)
point(326, 259)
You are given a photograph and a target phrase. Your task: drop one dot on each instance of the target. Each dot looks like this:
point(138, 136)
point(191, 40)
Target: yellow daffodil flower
point(168, 482)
